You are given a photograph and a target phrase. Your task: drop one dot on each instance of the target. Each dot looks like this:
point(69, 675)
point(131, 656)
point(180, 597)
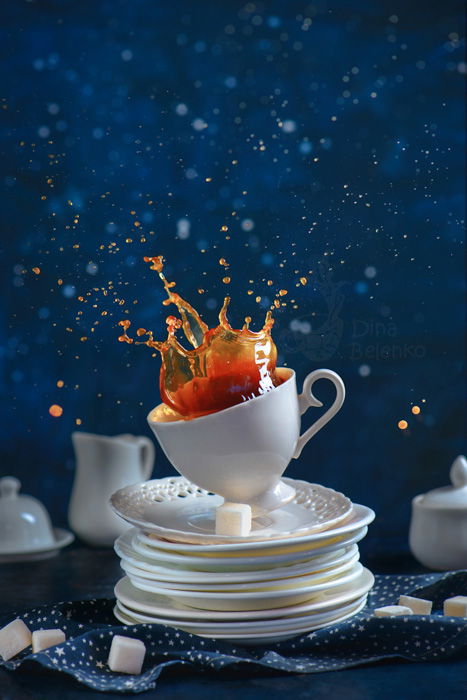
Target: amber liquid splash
point(225, 366)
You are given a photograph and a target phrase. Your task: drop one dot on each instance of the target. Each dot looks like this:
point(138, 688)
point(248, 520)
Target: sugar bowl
point(438, 529)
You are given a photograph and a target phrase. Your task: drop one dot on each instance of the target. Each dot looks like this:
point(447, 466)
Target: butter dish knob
point(9, 487)
point(458, 472)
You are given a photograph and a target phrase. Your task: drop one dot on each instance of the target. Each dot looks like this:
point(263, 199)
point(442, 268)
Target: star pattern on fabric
point(90, 626)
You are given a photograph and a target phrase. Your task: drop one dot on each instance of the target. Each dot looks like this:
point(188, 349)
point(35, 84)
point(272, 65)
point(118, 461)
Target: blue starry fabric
point(90, 625)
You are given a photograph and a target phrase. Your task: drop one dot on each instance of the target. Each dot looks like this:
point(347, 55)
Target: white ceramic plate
point(259, 599)
point(133, 565)
point(357, 517)
point(166, 607)
point(178, 510)
point(253, 626)
point(222, 629)
point(249, 561)
point(62, 539)
point(309, 578)
point(254, 639)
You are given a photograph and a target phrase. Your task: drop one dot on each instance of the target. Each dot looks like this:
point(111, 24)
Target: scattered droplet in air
point(55, 410)
point(288, 126)
point(416, 410)
point(402, 425)
point(370, 272)
point(183, 228)
point(248, 224)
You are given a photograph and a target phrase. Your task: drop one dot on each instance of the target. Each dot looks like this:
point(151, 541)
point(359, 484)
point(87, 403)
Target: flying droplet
point(55, 410)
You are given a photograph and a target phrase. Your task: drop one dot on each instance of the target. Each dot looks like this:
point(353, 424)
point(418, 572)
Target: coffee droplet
point(415, 410)
point(403, 425)
point(226, 280)
point(55, 410)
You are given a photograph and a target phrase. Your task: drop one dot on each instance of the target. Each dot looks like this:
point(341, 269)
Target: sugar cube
point(233, 519)
point(14, 637)
point(43, 639)
point(389, 610)
point(126, 655)
point(419, 606)
point(456, 607)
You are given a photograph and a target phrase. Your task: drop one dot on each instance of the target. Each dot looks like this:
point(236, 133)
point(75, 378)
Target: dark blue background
point(333, 134)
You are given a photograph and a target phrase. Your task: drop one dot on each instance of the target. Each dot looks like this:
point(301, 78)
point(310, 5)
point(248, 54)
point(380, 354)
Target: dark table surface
point(80, 572)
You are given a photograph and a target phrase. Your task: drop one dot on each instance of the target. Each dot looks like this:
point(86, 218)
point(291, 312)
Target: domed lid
point(24, 521)
point(449, 497)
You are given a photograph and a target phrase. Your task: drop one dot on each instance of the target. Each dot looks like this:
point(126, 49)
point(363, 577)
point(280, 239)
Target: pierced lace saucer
point(175, 509)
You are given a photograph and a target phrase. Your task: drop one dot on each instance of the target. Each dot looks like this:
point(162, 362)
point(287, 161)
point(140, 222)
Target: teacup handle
point(307, 399)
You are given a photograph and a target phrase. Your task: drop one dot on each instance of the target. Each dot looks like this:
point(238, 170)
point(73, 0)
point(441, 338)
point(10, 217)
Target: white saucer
point(166, 607)
point(178, 510)
point(246, 632)
point(134, 565)
point(249, 626)
point(265, 584)
point(265, 599)
point(254, 560)
point(357, 517)
point(62, 539)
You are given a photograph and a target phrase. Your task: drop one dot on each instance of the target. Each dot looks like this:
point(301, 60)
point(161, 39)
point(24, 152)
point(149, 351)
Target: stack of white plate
point(297, 571)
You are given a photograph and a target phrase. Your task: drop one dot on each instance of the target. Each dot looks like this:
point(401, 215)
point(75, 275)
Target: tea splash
point(225, 367)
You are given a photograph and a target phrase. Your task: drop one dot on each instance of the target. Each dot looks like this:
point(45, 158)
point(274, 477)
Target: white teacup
point(241, 453)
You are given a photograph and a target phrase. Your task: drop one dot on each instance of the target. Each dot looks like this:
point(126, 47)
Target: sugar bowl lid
point(24, 521)
point(449, 497)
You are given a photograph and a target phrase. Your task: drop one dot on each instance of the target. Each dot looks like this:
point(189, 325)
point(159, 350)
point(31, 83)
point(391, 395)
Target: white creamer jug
point(438, 530)
point(104, 465)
